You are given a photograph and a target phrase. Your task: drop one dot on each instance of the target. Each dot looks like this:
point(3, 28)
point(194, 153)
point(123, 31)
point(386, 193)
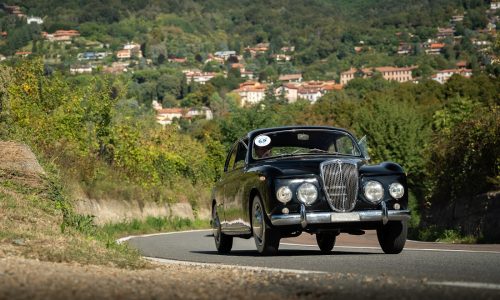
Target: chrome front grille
point(340, 182)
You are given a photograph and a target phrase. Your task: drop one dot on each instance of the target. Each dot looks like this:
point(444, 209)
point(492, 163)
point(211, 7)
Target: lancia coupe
point(281, 182)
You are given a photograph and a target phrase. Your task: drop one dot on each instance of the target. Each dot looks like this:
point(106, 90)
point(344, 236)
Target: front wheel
point(267, 239)
point(223, 242)
point(326, 241)
point(392, 236)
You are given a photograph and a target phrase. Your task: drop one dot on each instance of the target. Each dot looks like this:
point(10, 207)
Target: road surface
point(458, 266)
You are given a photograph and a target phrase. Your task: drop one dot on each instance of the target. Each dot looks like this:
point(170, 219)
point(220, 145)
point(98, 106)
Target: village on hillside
point(94, 57)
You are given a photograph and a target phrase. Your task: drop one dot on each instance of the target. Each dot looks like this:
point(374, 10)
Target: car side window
point(240, 156)
point(231, 159)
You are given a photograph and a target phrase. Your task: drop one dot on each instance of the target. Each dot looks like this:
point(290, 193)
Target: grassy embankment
point(38, 221)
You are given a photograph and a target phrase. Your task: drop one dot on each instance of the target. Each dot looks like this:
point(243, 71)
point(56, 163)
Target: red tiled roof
point(350, 71)
point(455, 71)
point(393, 69)
point(437, 45)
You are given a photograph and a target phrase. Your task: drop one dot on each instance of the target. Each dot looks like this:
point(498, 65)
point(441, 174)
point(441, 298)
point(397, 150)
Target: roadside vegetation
point(100, 135)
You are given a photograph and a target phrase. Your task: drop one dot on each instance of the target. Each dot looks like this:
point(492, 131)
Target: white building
point(198, 76)
point(32, 19)
point(225, 54)
point(443, 75)
point(165, 116)
point(494, 5)
point(204, 112)
point(251, 92)
point(80, 69)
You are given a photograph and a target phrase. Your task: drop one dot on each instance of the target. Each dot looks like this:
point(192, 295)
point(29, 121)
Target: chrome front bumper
point(304, 218)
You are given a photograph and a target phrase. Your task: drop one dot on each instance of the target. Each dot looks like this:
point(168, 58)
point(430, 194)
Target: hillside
point(38, 220)
point(140, 100)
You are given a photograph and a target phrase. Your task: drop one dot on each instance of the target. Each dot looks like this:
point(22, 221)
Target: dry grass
point(30, 226)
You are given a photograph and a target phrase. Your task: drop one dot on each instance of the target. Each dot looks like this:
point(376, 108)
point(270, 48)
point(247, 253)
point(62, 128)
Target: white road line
point(248, 268)
point(405, 249)
point(475, 285)
point(124, 239)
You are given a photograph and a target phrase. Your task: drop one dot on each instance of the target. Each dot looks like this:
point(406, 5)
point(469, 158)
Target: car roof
point(256, 132)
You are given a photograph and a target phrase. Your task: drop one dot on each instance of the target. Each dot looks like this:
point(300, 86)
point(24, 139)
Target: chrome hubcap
point(257, 222)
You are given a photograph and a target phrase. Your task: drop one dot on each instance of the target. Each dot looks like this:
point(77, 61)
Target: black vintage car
point(280, 182)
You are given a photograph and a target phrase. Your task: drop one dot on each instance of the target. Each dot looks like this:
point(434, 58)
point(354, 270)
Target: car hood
point(292, 167)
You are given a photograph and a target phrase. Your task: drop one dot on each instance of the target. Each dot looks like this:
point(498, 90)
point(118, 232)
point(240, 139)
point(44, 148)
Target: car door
point(221, 186)
point(234, 211)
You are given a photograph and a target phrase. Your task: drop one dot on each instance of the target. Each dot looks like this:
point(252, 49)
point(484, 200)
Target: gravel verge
point(31, 279)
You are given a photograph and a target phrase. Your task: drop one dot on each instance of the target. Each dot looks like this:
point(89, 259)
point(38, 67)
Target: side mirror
point(363, 144)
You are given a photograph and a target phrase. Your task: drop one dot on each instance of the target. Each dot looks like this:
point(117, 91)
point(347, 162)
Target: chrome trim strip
point(329, 218)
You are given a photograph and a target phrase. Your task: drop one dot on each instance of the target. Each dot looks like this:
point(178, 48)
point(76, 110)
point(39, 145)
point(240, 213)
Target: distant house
point(443, 75)
point(13, 10)
point(224, 54)
point(91, 55)
point(35, 20)
point(396, 74)
point(212, 58)
point(3, 34)
point(2, 58)
point(389, 73)
point(480, 43)
point(22, 53)
point(290, 78)
point(258, 49)
point(445, 32)
point(203, 112)
point(251, 92)
point(116, 68)
point(281, 57)
point(243, 72)
point(165, 116)
point(494, 5)
point(62, 35)
point(124, 54)
point(347, 76)
point(179, 60)
point(457, 18)
point(434, 48)
point(288, 49)
point(404, 48)
point(198, 76)
point(135, 49)
point(309, 90)
point(80, 69)
point(461, 64)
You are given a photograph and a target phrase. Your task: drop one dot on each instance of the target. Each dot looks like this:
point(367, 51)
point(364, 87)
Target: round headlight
point(307, 193)
point(374, 191)
point(284, 194)
point(396, 190)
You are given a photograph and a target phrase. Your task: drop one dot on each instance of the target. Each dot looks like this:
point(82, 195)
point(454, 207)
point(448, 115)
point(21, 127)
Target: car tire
point(392, 237)
point(326, 241)
point(267, 239)
point(223, 242)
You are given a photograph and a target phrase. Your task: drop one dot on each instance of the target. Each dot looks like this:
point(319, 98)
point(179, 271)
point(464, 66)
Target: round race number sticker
point(262, 140)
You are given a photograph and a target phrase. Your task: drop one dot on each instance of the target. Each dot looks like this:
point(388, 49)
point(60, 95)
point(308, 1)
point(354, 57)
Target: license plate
point(345, 217)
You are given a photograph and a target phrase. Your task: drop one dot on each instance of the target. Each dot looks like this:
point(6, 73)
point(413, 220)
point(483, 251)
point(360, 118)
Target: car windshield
point(303, 142)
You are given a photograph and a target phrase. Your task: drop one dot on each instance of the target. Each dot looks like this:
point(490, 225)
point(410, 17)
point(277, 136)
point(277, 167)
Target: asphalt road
point(476, 265)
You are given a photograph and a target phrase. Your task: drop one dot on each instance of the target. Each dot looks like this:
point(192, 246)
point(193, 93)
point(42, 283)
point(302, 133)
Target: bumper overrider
point(304, 218)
